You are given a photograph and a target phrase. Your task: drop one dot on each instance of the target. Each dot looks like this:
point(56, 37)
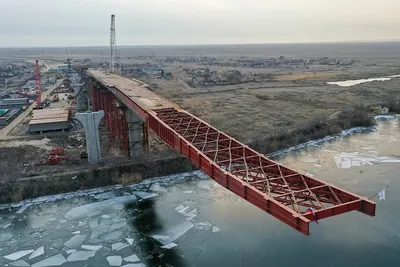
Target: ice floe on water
point(132, 258)
point(169, 235)
point(20, 263)
point(169, 246)
point(75, 242)
point(114, 260)
point(97, 208)
point(81, 255)
point(90, 247)
point(38, 252)
point(56, 260)
point(348, 160)
point(19, 254)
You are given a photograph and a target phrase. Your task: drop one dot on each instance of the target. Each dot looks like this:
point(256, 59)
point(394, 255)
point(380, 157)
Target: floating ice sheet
point(55, 260)
point(145, 195)
point(69, 251)
point(99, 207)
point(20, 263)
point(134, 265)
point(38, 252)
point(188, 192)
point(215, 229)
point(92, 248)
point(129, 240)
point(81, 255)
point(119, 246)
point(114, 260)
point(204, 185)
point(38, 221)
point(105, 195)
point(158, 188)
point(173, 233)
point(169, 246)
point(75, 242)
point(23, 208)
point(132, 258)
point(17, 255)
point(112, 235)
point(116, 226)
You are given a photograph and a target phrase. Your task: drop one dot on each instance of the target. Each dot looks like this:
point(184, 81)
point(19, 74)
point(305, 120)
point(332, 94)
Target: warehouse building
point(44, 120)
point(7, 115)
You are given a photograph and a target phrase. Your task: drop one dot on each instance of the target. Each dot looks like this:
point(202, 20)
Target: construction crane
point(38, 85)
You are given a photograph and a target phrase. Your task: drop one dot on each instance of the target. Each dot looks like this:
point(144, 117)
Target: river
point(188, 220)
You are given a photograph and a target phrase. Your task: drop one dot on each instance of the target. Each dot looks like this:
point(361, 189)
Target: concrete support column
point(135, 131)
point(90, 122)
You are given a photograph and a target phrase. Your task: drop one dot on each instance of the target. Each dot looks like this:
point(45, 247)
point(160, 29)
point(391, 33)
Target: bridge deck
point(134, 89)
point(278, 190)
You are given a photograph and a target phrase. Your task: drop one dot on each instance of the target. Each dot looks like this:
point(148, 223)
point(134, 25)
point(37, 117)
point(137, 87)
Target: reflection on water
point(355, 82)
point(211, 226)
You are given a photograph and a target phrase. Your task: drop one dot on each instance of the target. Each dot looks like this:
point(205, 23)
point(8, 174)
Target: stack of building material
point(54, 119)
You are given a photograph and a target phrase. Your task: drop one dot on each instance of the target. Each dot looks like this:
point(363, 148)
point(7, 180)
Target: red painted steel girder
point(276, 189)
point(284, 193)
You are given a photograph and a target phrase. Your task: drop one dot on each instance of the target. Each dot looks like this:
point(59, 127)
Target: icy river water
point(188, 220)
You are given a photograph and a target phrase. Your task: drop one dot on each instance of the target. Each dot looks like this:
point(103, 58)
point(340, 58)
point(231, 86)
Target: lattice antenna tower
point(113, 45)
point(38, 84)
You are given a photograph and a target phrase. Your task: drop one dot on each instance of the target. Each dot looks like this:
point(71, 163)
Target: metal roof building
point(44, 120)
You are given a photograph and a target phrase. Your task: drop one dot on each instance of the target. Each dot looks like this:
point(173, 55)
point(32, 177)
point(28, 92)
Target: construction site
point(148, 153)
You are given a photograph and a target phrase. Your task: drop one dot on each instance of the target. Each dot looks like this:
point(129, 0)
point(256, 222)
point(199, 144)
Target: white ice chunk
point(145, 195)
point(132, 258)
point(69, 251)
point(203, 225)
point(38, 221)
point(20, 263)
point(81, 255)
point(38, 252)
point(169, 246)
point(17, 255)
point(105, 195)
point(116, 226)
point(173, 233)
point(129, 240)
point(56, 260)
point(114, 260)
point(179, 207)
point(105, 216)
point(112, 235)
point(215, 229)
point(76, 233)
point(62, 221)
point(188, 192)
point(99, 207)
point(134, 265)
point(100, 230)
point(6, 225)
point(75, 242)
point(204, 185)
point(119, 246)
point(80, 224)
point(93, 248)
point(23, 208)
point(158, 188)
point(94, 224)
point(182, 211)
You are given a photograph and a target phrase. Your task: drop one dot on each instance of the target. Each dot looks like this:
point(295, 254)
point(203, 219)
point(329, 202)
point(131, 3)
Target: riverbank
point(350, 117)
point(15, 190)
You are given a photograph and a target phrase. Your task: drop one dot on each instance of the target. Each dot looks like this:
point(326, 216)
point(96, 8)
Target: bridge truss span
point(284, 193)
point(274, 188)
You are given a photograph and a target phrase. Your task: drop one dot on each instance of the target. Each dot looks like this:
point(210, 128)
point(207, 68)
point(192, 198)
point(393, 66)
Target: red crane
point(38, 86)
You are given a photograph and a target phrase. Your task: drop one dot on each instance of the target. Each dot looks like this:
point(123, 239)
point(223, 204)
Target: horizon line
point(212, 44)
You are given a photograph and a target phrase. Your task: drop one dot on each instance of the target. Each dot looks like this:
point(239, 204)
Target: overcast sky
point(151, 22)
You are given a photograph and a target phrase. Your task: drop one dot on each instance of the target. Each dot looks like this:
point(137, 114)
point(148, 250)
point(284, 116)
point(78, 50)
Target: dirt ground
point(268, 100)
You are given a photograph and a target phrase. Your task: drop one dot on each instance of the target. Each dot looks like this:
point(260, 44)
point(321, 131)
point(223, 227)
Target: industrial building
point(11, 103)
point(7, 115)
point(43, 120)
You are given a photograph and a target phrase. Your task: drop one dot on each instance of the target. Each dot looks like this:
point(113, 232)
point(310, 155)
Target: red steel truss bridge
point(276, 189)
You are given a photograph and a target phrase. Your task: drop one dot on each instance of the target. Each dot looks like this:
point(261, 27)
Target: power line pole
point(113, 45)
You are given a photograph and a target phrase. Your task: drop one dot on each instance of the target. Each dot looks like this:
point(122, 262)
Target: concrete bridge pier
point(138, 134)
point(90, 122)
